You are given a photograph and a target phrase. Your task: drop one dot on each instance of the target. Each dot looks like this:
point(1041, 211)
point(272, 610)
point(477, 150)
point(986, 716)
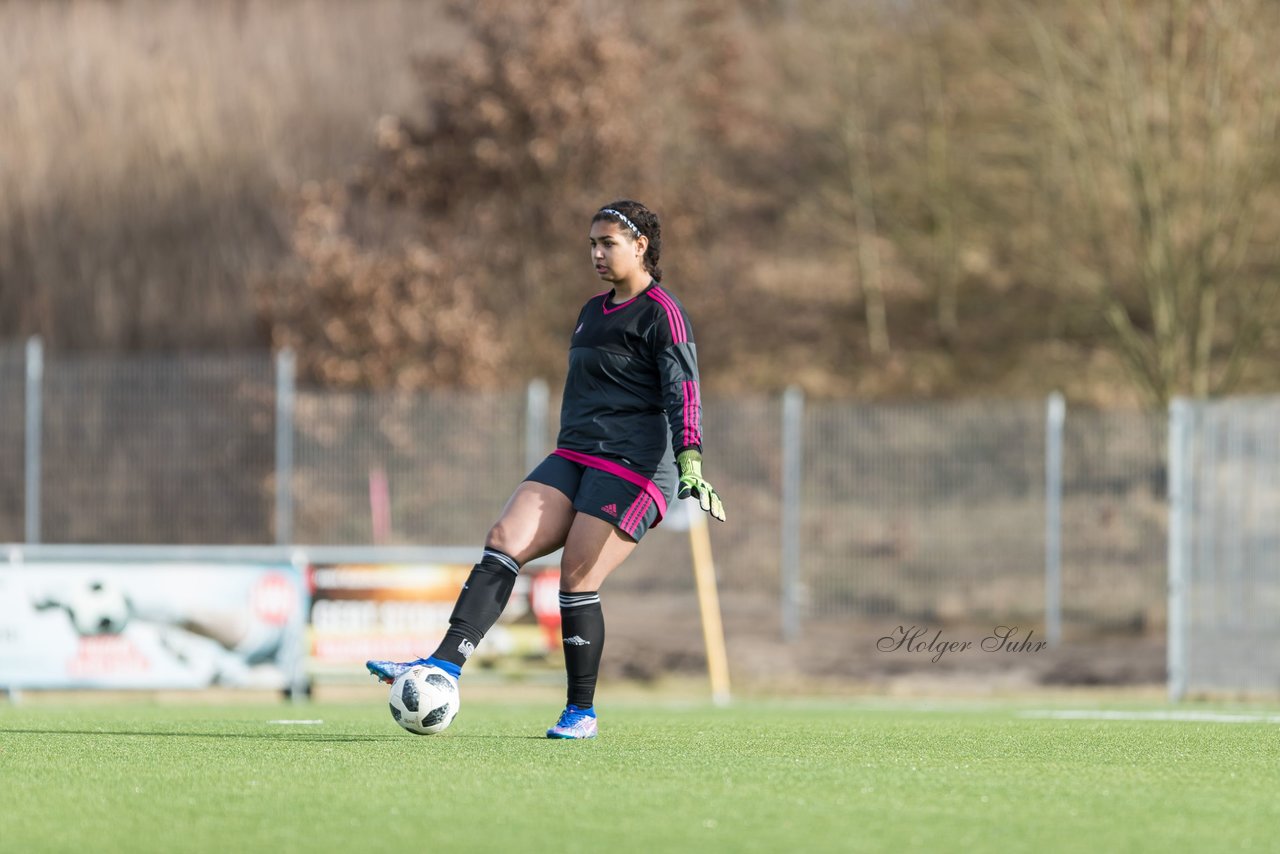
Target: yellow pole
point(704, 573)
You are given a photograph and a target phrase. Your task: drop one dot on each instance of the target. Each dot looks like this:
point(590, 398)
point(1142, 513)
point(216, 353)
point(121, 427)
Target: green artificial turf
point(753, 777)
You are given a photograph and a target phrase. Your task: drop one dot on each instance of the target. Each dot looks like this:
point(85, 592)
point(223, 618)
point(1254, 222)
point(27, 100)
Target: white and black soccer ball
point(424, 699)
point(98, 607)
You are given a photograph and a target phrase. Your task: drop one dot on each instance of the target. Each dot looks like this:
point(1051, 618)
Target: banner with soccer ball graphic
point(162, 625)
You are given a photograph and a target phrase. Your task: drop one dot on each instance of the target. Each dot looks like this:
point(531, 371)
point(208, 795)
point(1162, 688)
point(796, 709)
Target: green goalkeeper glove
point(691, 483)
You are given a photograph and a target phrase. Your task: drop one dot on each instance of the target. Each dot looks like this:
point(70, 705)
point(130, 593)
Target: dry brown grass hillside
point(882, 200)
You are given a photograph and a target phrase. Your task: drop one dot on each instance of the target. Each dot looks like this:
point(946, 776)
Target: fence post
point(1179, 494)
point(34, 425)
point(1056, 415)
point(535, 423)
point(792, 460)
point(286, 369)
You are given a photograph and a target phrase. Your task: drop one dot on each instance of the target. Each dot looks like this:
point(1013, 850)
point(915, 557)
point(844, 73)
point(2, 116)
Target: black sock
point(582, 625)
point(479, 605)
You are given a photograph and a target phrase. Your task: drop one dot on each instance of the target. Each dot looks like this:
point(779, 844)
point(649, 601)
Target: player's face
point(616, 253)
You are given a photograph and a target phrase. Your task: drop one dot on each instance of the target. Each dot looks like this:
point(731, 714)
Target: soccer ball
point(424, 699)
point(98, 607)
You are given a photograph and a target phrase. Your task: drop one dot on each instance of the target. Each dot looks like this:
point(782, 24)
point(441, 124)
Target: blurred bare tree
point(837, 55)
point(1162, 123)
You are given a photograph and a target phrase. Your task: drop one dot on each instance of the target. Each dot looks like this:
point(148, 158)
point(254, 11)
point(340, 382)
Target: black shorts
point(625, 505)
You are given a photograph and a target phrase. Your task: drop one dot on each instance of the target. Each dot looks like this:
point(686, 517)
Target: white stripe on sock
point(506, 560)
point(576, 600)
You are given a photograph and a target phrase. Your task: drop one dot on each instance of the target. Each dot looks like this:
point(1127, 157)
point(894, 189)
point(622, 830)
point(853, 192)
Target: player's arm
point(682, 400)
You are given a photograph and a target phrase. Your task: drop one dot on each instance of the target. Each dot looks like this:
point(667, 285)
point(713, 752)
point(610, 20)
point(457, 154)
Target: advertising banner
point(400, 612)
point(151, 625)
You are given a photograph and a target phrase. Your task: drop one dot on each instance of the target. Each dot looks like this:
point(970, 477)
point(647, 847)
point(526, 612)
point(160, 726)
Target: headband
point(628, 223)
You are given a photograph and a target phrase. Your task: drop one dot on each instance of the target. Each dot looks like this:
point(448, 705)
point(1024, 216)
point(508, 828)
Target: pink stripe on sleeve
point(679, 315)
point(684, 414)
point(679, 334)
point(692, 407)
point(688, 401)
point(684, 329)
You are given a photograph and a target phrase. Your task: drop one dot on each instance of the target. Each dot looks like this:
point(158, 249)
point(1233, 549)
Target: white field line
point(297, 723)
point(1187, 716)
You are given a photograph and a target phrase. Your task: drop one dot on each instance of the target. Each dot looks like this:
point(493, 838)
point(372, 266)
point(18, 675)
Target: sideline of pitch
point(1183, 715)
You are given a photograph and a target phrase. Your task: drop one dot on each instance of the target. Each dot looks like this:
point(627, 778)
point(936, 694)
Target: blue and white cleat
point(388, 671)
point(575, 723)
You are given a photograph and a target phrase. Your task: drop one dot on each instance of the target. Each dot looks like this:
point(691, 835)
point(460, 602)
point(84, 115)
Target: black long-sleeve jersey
point(631, 397)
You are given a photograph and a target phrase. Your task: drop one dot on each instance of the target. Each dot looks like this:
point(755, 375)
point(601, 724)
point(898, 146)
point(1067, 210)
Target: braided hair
point(638, 220)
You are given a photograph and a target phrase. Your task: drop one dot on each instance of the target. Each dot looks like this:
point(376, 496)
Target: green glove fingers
point(692, 483)
point(714, 506)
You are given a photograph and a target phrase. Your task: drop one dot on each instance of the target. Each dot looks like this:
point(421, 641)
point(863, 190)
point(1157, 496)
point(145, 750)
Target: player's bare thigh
point(534, 523)
point(593, 549)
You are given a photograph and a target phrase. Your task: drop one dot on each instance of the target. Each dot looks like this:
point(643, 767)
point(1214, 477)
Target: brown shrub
point(545, 114)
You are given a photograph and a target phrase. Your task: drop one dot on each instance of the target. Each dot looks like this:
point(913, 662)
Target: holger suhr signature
point(917, 639)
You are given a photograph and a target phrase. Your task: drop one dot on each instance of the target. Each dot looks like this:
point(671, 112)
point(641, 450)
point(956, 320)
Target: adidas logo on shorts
point(611, 509)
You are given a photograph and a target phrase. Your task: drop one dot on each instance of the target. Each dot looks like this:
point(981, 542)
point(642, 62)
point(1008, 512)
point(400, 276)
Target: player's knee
point(502, 538)
point(514, 540)
point(575, 569)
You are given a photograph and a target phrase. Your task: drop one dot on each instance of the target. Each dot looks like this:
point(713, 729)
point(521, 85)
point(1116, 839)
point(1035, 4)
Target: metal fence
point(13, 478)
point(930, 511)
point(1224, 547)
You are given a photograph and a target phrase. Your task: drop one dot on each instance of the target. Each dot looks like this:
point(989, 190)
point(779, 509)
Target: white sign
point(150, 625)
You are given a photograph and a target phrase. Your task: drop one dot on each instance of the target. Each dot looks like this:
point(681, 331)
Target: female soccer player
point(630, 440)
